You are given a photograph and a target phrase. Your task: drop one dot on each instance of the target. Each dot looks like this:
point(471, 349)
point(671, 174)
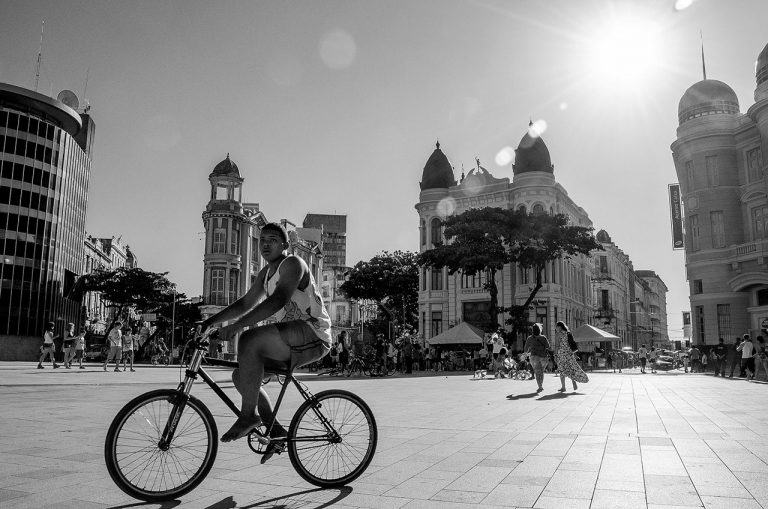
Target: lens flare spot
point(681, 5)
point(338, 49)
point(505, 156)
point(563, 106)
point(537, 128)
point(446, 207)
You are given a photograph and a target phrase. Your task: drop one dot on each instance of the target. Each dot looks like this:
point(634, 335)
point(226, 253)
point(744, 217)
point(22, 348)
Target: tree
point(389, 279)
point(484, 240)
point(475, 244)
point(123, 288)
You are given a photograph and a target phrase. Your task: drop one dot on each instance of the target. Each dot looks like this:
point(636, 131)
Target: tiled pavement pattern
point(623, 440)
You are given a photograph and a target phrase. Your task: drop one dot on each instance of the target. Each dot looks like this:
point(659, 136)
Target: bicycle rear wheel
point(336, 453)
point(137, 463)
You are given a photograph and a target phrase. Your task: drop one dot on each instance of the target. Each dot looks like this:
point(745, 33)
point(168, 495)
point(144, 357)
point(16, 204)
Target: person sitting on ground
point(284, 290)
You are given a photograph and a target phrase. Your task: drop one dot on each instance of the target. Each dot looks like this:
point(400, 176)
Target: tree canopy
point(484, 240)
point(389, 279)
point(129, 287)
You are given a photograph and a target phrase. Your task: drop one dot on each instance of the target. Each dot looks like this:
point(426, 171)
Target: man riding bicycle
point(301, 332)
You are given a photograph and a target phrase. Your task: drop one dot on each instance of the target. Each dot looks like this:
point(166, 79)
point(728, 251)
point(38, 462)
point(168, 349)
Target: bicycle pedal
point(262, 439)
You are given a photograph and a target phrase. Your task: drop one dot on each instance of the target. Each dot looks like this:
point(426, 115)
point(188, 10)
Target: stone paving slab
point(622, 440)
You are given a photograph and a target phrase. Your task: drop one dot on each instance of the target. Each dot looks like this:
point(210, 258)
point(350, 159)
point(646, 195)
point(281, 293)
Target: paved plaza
point(623, 440)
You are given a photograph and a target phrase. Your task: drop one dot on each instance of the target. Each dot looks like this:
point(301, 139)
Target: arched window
point(551, 210)
point(522, 209)
point(538, 208)
point(436, 231)
point(423, 228)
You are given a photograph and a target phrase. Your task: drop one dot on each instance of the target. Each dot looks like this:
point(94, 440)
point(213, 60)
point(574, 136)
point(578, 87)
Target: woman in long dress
point(567, 365)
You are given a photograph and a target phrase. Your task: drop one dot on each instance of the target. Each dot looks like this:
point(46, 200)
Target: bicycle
point(357, 365)
point(162, 444)
point(161, 358)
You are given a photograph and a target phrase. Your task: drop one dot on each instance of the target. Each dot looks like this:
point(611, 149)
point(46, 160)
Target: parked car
point(95, 353)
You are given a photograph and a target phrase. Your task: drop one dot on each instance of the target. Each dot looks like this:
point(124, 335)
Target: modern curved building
point(721, 167)
point(45, 164)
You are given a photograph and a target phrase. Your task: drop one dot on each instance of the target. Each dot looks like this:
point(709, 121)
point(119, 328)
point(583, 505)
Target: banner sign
point(675, 210)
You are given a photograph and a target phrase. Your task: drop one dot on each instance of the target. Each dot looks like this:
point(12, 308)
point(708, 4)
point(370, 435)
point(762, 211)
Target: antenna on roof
point(39, 56)
point(703, 65)
point(86, 103)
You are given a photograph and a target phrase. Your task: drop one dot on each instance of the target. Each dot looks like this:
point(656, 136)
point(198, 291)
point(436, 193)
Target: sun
point(623, 49)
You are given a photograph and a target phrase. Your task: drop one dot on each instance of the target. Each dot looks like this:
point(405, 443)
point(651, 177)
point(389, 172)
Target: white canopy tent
point(587, 333)
point(462, 333)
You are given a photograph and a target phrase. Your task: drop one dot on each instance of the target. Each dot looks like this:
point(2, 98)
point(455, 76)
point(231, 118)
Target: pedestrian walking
point(565, 358)
point(719, 354)
point(80, 349)
point(536, 346)
point(643, 354)
point(652, 356)
point(735, 357)
point(68, 346)
point(704, 361)
point(129, 342)
point(695, 355)
point(747, 350)
point(761, 357)
point(48, 347)
point(408, 356)
point(115, 339)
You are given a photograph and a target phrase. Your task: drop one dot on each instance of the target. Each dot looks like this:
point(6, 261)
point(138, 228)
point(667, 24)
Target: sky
point(332, 106)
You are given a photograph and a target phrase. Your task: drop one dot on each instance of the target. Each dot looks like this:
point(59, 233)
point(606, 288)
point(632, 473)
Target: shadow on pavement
point(163, 505)
point(522, 396)
point(559, 395)
point(293, 500)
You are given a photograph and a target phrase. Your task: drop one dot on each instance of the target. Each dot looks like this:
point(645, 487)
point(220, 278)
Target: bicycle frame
point(195, 369)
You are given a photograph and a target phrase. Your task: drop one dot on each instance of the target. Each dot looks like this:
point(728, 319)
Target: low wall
point(20, 348)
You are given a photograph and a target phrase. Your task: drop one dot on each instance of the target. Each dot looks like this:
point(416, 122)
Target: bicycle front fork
point(182, 396)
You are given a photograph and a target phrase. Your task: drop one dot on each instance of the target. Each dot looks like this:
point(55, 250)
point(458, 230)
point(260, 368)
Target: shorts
point(78, 354)
point(643, 360)
point(305, 346)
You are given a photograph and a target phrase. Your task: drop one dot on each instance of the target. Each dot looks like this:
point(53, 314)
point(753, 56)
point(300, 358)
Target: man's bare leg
point(264, 407)
point(254, 346)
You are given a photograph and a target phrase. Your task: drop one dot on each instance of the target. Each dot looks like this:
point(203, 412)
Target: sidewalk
point(445, 441)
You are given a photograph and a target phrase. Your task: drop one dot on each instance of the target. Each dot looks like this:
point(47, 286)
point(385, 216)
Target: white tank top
point(305, 304)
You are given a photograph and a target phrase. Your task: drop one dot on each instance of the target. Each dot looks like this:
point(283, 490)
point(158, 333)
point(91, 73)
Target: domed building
point(568, 291)
point(718, 157)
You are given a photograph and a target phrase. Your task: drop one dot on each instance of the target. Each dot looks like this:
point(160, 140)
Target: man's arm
point(241, 306)
point(291, 272)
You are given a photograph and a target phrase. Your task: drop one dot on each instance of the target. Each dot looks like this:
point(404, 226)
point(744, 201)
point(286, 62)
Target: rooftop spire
point(437, 144)
point(703, 65)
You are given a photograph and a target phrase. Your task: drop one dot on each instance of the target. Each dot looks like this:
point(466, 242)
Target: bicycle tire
point(348, 458)
point(134, 459)
point(391, 368)
point(366, 370)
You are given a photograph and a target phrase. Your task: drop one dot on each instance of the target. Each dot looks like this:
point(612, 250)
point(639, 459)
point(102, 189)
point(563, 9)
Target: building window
point(234, 246)
point(718, 228)
point(760, 222)
point(255, 251)
point(423, 232)
point(724, 320)
point(437, 234)
point(689, 175)
point(219, 240)
point(538, 209)
point(603, 264)
point(700, 321)
point(437, 323)
point(713, 174)
point(217, 287)
point(762, 297)
point(477, 314)
point(695, 234)
point(233, 284)
point(437, 279)
point(522, 209)
point(523, 276)
point(698, 287)
point(755, 164)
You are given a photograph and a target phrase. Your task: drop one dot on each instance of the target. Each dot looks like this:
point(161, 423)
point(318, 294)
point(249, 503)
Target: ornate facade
point(719, 157)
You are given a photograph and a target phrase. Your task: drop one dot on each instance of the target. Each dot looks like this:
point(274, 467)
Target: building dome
point(438, 172)
point(226, 168)
point(707, 97)
point(532, 154)
point(761, 66)
point(602, 236)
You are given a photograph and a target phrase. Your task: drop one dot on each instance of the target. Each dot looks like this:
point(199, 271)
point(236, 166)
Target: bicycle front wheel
point(137, 463)
point(332, 438)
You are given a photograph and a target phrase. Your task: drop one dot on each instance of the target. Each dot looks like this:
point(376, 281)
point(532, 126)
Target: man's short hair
point(746, 336)
point(276, 228)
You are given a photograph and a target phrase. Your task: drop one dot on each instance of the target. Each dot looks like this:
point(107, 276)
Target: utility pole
point(173, 319)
